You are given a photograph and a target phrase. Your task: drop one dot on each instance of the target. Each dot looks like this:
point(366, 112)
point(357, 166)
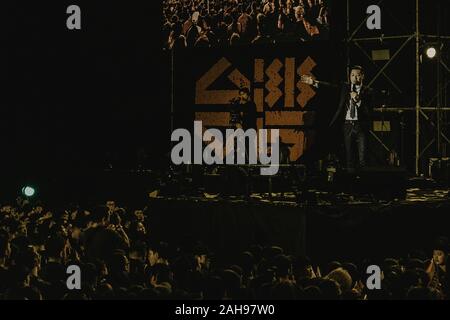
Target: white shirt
point(358, 104)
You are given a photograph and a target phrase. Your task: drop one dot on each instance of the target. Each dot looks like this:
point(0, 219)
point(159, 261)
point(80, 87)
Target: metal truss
point(420, 108)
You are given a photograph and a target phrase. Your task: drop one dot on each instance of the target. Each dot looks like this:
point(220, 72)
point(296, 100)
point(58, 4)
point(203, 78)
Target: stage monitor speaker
point(228, 181)
point(439, 170)
point(383, 183)
point(246, 179)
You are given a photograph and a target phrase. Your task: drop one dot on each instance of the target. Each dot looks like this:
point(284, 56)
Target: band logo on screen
point(276, 89)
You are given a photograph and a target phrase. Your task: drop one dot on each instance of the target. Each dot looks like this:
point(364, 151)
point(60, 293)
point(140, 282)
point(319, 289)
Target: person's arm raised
point(309, 80)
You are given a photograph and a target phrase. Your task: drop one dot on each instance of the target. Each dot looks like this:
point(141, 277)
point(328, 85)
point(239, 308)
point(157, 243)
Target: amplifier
point(439, 170)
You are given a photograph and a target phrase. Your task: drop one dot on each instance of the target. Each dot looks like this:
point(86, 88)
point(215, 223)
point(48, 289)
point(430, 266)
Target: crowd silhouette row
point(119, 259)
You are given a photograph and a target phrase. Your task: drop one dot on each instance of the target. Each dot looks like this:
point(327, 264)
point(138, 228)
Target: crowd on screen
point(223, 23)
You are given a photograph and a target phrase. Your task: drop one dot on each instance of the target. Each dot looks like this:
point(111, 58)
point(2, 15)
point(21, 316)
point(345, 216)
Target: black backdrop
point(80, 100)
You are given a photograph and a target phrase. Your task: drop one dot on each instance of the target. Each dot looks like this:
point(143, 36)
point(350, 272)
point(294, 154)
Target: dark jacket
point(364, 111)
point(245, 114)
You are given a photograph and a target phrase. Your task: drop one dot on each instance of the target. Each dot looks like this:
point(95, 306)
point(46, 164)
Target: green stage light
point(28, 191)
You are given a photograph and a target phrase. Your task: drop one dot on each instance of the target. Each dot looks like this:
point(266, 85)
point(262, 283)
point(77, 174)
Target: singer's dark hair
point(357, 67)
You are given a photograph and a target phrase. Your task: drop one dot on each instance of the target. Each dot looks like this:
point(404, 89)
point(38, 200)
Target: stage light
point(28, 191)
point(431, 52)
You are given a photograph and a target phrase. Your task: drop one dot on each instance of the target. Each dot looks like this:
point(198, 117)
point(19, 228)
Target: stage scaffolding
point(420, 108)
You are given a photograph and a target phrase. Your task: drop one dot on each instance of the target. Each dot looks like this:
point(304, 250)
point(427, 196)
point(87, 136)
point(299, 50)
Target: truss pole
point(417, 90)
point(438, 85)
point(348, 41)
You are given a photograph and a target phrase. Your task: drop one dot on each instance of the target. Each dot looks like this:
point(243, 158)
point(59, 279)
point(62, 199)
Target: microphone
point(354, 90)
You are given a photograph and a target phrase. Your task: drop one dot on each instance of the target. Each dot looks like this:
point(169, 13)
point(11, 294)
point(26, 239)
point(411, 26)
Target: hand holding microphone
point(354, 95)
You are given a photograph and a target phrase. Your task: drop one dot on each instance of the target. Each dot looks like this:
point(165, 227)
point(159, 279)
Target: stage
point(352, 217)
point(351, 229)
